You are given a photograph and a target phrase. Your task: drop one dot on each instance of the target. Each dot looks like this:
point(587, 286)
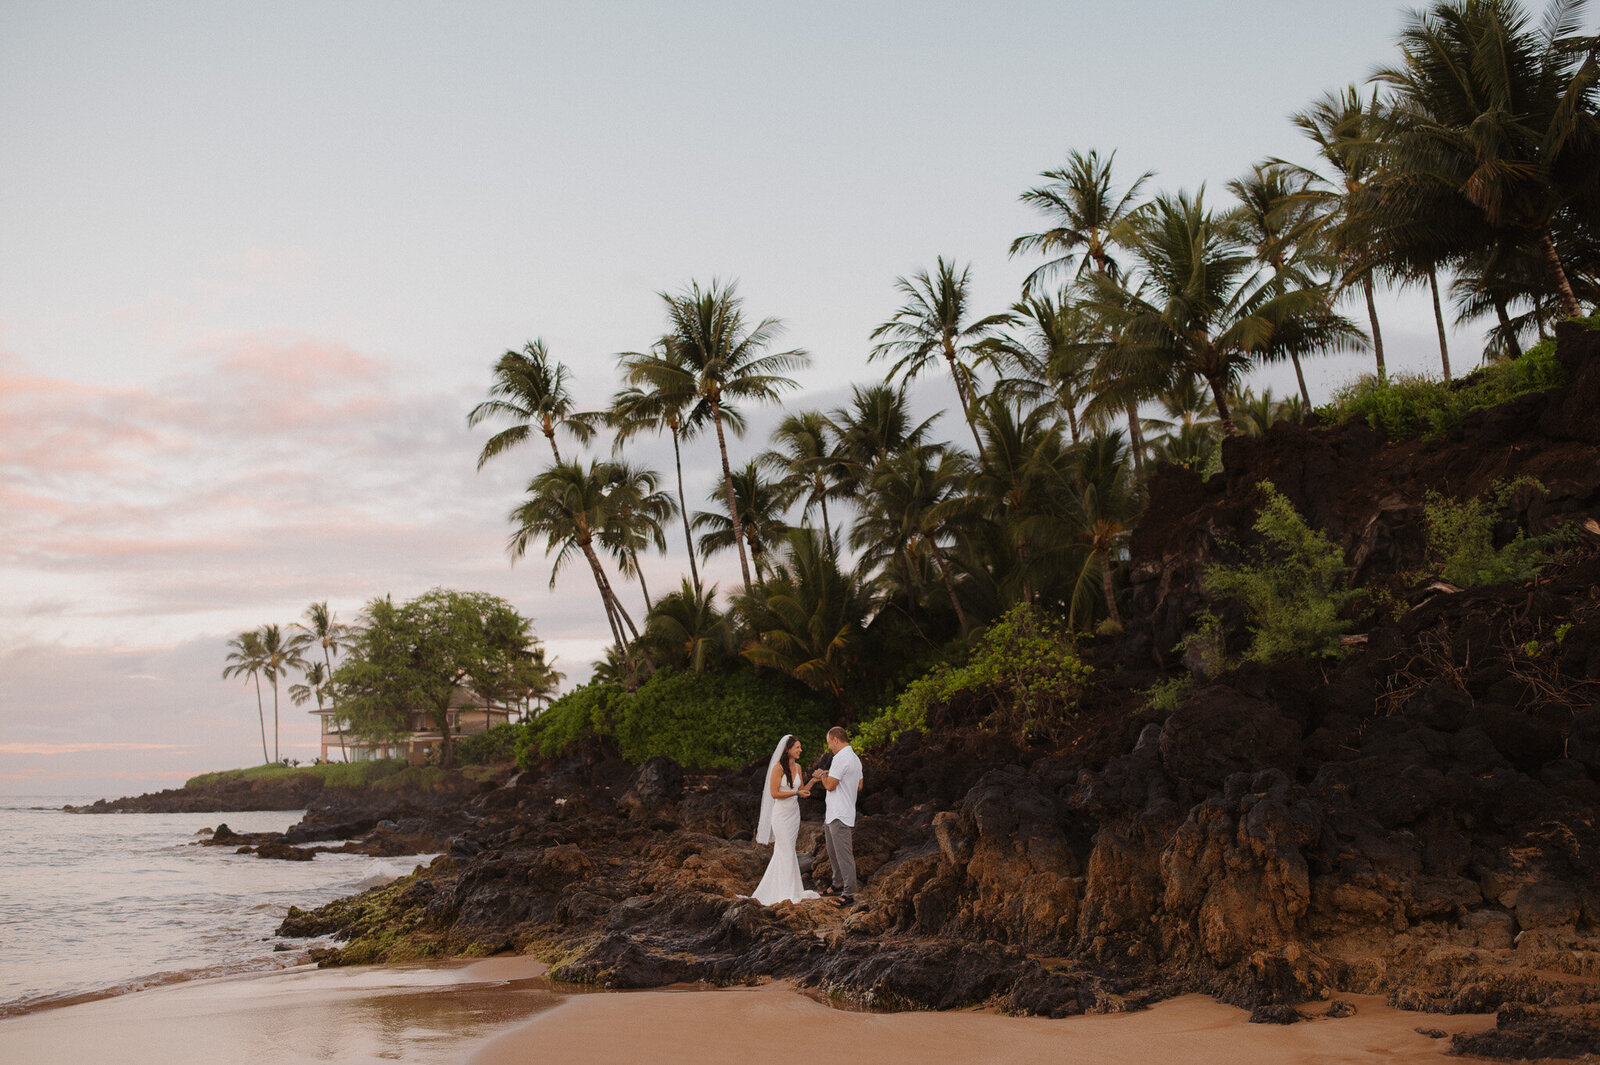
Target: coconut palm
point(532, 393)
point(1107, 499)
point(1086, 214)
point(760, 506)
point(1503, 114)
point(1021, 481)
point(713, 355)
point(568, 506)
point(1204, 308)
point(323, 630)
point(315, 686)
point(635, 410)
point(635, 512)
point(935, 323)
point(805, 458)
point(686, 629)
point(875, 425)
point(246, 659)
point(1049, 359)
point(911, 504)
point(278, 656)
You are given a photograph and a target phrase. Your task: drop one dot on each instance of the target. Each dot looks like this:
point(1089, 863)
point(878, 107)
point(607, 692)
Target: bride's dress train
point(782, 878)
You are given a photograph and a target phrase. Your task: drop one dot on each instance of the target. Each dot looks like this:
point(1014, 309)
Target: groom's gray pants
point(841, 856)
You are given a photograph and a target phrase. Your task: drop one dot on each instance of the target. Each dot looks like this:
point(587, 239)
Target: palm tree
point(1021, 477)
point(759, 505)
point(1051, 361)
point(1204, 308)
point(1345, 128)
point(246, 658)
point(1503, 114)
point(910, 506)
point(686, 629)
point(1086, 214)
point(806, 460)
point(532, 394)
point(634, 410)
point(322, 628)
point(1188, 433)
point(933, 323)
point(278, 657)
point(1107, 496)
point(875, 425)
point(568, 506)
point(713, 355)
point(315, 686)
point(809, 617)
point(635, 513)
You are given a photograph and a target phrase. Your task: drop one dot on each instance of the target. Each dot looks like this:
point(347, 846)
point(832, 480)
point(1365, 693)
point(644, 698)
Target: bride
point(780, 826)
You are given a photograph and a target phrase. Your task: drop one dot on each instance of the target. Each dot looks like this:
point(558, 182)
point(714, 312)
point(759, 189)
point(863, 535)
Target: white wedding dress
point(782, 878)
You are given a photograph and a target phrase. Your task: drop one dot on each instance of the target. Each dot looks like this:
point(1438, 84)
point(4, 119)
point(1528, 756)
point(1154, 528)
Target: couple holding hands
point(785, 782)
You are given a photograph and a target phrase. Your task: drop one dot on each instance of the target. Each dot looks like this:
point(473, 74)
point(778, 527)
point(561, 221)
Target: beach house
point(468, 717)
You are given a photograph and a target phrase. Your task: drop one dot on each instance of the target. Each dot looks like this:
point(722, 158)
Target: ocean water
point(99, 904)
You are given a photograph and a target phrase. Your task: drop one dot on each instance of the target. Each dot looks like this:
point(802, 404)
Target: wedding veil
point(764, 825)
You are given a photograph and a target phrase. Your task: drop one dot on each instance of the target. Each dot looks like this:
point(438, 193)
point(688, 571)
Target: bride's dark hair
point(787, 760)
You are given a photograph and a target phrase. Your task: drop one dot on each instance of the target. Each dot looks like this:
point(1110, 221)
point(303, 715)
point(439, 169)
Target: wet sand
point(503, 1012)
point(744, 1025)
point(415, 1014)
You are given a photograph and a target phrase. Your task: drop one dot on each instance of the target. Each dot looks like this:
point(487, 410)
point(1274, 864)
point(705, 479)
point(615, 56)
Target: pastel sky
point(256, 262)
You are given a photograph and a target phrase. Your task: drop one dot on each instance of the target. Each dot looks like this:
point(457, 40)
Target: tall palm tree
point(278, 656)
point(876, 425)
point(711, 353)
point(759, 504)
point(805, 458)
point(932, 324)
point(1021, 477)
point(533, 393)
point(686, 629)
point(1503, 113)
point(1345, 127)
point(1085, 211)
point(246, 659)
point(1107, 497)
point(315, 686)
point(635, 513)
point(568, 506)
point(1204, 308)
point(322, 629)
point(907, 512)
point(681, 414)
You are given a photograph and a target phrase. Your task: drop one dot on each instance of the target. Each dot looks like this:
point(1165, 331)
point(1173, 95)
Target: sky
point(257, 261)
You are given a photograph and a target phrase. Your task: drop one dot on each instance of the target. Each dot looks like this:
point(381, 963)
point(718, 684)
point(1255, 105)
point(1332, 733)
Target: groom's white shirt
point(841, 801)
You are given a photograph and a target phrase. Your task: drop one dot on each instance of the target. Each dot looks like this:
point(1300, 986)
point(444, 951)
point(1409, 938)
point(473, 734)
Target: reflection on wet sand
point(416, 1014)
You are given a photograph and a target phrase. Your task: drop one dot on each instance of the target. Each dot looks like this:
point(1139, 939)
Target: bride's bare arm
point(774, 783)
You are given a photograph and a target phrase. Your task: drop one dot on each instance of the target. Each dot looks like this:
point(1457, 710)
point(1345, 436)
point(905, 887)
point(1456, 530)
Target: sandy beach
point(739, 1026)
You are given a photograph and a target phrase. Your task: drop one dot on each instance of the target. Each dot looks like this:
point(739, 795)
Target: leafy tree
point(416, 655)
point(247, 659)
point(932, 324)
point(533, 394)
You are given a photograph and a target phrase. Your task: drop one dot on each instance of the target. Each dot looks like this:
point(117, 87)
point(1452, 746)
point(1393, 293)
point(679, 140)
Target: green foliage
point(706, 720)
point(497, 745)
point(385, 774)
point(1167, 695)
point(1294, 588)
point(1024, 670)
point(1409, 405)
point(1461, 539)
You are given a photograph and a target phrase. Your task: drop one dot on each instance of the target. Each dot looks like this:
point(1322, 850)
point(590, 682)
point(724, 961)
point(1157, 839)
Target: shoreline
point(505, 1011)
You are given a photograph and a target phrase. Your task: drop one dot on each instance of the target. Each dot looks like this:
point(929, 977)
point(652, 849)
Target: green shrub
point(1024, 670)
point(1408, 405)
point(1461, 539)
point(1292, 591)
point(498, 744)
point(585, 711)
point(332, 774)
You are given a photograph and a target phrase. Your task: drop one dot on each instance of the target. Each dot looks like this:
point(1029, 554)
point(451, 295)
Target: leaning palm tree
point(1087, 214)
point(533, 394)
point(635, 410)
point(1204, 307)
point(278, 656)
point(568, 507)
point(315, 686)
point(935, 323)
point(1502, 113)
point(322, 628)
point(712, 354)
point(246, 659)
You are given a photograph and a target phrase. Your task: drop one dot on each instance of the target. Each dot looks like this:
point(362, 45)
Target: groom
point(842, 778)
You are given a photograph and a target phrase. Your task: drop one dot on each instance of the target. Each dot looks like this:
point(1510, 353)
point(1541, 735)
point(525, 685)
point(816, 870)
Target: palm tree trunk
point(949, 583)
point(1569, 302)
point(1136, 437)
point(261, 713)
point(1505, 327)
point(606, 598)
point(275, 755)
point(683, 510)
point(1072, 423)
point(643, 587)
point(550, 435)
point(1300, 376)
point(1110, 590)
point(1438, 321)
point(1372, 316)
point(966, 405)
point(827, 527)
point(1220, 396)
point(727, 486)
